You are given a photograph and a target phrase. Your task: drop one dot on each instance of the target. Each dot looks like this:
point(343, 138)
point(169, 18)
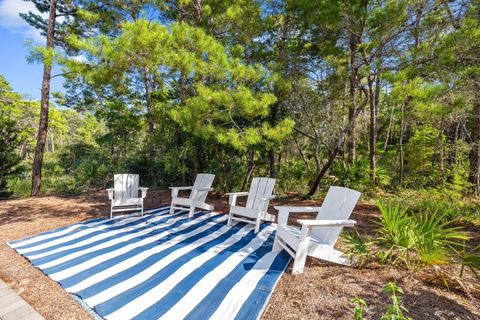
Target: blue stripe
point(251, 307)
point(138, 221)
point(142, 265)
point(176, 294)
point(82, 226)
point(255, 303)
point(73, 280)
point(207, 307)
point(122, 299)
point(54, 256)
point(98, 252)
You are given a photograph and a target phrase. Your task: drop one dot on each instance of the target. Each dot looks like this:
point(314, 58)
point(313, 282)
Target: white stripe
point(58, 276)
point(71, 228)
point(107, 244)
point(77, 235)
point(97, 237)
point(237, 296)
point(197, 293)
point(152, 270)
point(149, 298)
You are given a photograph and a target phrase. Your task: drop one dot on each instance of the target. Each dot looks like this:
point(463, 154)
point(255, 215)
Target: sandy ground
point(323, 291)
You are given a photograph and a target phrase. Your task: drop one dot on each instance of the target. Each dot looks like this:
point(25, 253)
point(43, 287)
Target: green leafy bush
point(416, 239)
point(354, 175)
point(358, 248)
point(470, 259)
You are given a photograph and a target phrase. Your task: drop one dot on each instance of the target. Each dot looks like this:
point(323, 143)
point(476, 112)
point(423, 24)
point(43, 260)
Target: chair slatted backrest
point(125, 186)
point(260, 188)
point(338, 205)
point(203, 180)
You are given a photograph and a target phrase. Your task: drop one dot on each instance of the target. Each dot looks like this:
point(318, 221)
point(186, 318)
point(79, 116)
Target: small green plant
point(470, 259)
point(358, 247)
point(358, 305)
point(395, 311)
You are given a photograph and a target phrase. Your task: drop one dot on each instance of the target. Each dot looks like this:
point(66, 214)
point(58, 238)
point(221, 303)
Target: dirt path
point(322, 292)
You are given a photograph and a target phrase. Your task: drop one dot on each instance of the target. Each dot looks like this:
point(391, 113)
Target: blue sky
point(24, 78)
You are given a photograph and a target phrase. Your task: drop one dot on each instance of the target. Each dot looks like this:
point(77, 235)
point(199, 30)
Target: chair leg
point(142, 209)
point(229, 221)
point(191, 211)
point(276, 243)
point(300, 258)
point(257, 225)
point(171, 208)
point(111, 211)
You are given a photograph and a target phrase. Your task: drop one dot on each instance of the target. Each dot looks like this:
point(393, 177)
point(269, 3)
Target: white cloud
point(9, 19)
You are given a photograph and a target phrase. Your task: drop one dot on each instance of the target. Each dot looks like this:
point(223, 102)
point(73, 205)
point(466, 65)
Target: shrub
point(470, 259)
point(415, 240)
point(359, 248)
point(396, 233)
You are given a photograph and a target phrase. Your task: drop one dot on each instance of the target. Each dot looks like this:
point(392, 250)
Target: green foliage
point(470, 259)
point(355, 175)
point(358, 305)
point(416, 239)
point(395, 311)
point(9, 158)
point(396, 233)
point(358, 248)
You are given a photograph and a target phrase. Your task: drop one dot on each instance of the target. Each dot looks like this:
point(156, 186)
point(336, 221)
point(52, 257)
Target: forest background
point(380, 96)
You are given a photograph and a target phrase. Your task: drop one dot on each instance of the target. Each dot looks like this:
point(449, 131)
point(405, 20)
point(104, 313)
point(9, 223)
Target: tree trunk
point(44, 105)
point(151, 128)
point(338, 145)
point(373, 128)
point(402, 133)
point(251, 167)
point(279, 93)
point(474, 175)
point(351, 142)
point(271, 161)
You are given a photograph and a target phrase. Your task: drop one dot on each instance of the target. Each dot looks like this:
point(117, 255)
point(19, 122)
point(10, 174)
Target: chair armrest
point(110, 193)
point(144, 191)
point(238, 194)
point(181, 188)
point(203, 189)
point(327, 223)
point(269, 198)
point(284, 212)
point(232, 197)
point(298, 209)
point(308, 225)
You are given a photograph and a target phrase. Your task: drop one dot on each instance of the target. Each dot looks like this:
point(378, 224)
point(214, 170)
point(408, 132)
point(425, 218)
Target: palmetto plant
point(470, 260)
point(358, 247)
point(396, 233)
point(434, 237)
point(420, 239)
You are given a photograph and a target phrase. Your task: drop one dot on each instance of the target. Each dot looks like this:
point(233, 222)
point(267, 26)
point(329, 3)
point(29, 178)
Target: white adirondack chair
point(124, 194)
point(259, 196)
point(198, 195)
point(317, 237)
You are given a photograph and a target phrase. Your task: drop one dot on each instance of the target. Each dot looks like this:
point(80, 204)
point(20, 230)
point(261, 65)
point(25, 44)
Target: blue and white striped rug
point(161, 266)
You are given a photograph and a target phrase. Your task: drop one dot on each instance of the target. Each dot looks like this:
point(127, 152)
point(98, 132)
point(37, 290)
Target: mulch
point(323, 291)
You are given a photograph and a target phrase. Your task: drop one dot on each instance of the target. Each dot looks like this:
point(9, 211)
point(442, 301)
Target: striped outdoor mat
point(161, 266)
